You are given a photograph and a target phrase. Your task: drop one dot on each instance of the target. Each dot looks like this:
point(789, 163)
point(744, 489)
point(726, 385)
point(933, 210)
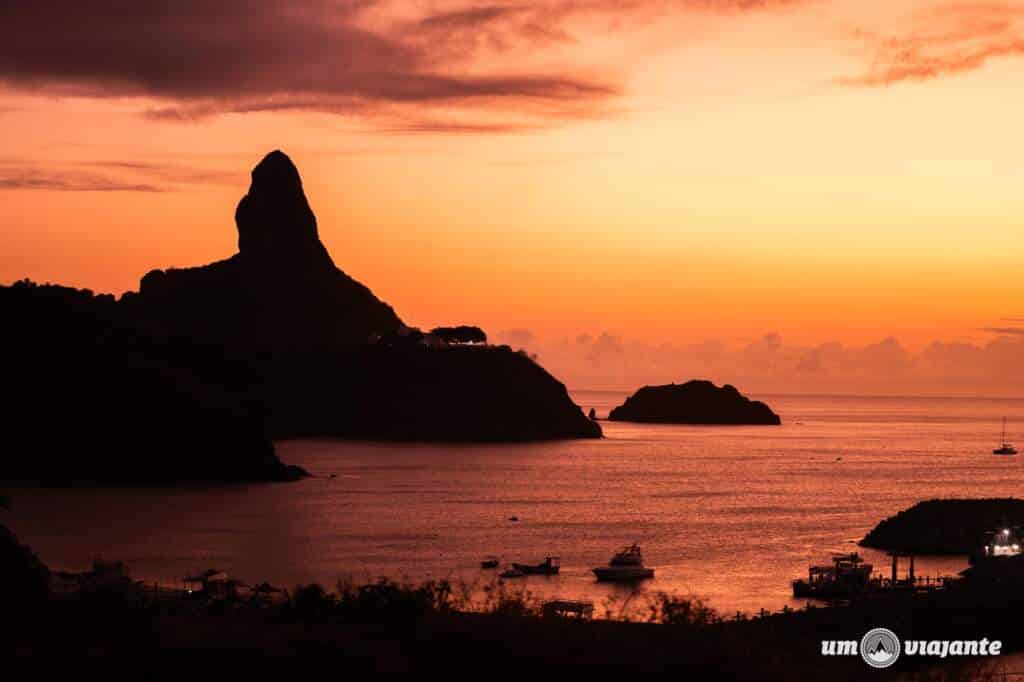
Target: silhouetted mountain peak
point(274, 218)
point(281, 288)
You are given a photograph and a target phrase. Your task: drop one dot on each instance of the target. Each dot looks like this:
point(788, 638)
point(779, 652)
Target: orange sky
point(671, 171)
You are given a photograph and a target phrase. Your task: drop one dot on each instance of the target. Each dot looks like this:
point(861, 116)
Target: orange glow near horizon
point(735, 187)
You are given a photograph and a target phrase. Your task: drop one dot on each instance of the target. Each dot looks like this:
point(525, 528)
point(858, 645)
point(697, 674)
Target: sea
point(730, 515)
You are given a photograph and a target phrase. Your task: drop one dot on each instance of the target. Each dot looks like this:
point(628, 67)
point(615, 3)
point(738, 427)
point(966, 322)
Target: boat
point(512, 573)
point(626, 565)
point(1005, 448)
point(846, 576)
point(489, 562)
point(549, 566)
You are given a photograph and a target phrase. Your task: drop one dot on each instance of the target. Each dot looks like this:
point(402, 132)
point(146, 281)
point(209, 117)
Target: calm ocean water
point(728, 513)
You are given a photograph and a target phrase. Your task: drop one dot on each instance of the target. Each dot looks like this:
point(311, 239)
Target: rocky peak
point(274, 218)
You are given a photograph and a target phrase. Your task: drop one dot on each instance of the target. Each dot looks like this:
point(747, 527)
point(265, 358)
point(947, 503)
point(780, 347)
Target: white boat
point(626, 565)
point(1005, 448)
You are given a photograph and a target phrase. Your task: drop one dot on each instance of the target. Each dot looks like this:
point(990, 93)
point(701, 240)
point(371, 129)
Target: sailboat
point(1005, 448)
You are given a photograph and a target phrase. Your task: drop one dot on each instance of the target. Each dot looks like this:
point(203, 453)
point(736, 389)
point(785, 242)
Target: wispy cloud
point(947, 40)
point(68, 182)
point(1005, 331)
point(105, 176)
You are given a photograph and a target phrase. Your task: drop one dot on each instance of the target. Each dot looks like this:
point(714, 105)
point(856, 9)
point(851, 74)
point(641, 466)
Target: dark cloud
point(470, 17)
point(239, 56)
point(356, 57)
point(948, 40)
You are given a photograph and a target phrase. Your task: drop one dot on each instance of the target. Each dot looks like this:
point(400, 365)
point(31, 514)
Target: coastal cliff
point(695, 402)
point(192, 377)
point(323, 356)
point(90, 397)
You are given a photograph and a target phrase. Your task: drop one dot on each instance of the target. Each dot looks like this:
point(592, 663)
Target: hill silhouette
point(281, 289)
point(695, 402)
point(945, 526)
point(305, 340)
point(191, 377)
point(89, 399)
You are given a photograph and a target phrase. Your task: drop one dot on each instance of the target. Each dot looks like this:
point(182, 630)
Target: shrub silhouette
point(460, 334)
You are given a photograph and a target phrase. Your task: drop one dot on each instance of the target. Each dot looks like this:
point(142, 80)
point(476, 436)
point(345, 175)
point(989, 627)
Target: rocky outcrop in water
point(945, 526)
point(695, 402)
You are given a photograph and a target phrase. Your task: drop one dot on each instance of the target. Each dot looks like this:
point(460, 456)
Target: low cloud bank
point(769, 365)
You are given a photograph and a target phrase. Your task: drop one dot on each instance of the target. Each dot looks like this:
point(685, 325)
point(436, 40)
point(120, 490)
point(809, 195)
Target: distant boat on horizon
point(1005, 448)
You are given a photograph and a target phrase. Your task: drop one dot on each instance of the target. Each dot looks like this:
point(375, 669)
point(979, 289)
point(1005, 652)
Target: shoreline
point(406, 628)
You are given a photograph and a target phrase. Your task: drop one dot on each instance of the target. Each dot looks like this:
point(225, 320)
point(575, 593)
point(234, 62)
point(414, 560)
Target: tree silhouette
point(461, 334)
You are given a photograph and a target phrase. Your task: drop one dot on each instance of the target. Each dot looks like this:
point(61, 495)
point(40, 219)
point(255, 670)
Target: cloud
point(1006, 331)
point(105, 176)
point(947, 40)
point(69, 182)
point(243, 56)
point(373, 59)
point(769, 364)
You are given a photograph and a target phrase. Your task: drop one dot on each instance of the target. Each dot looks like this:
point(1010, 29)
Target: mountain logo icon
point(880, 647)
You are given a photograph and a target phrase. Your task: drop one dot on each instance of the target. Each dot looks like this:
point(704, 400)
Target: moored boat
point(549, 566)
point(627, 565)
point(1005, 448)
point(847, 576)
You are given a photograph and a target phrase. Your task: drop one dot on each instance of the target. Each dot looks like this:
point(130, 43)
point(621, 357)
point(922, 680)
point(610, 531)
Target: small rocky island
point(945, 526)
point(695, 402)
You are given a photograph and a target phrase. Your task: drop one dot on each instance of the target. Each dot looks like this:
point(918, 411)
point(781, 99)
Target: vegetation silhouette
point(131, 631)
point(461, 334)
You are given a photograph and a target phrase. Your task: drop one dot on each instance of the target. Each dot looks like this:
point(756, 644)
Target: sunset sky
point(673, 173)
